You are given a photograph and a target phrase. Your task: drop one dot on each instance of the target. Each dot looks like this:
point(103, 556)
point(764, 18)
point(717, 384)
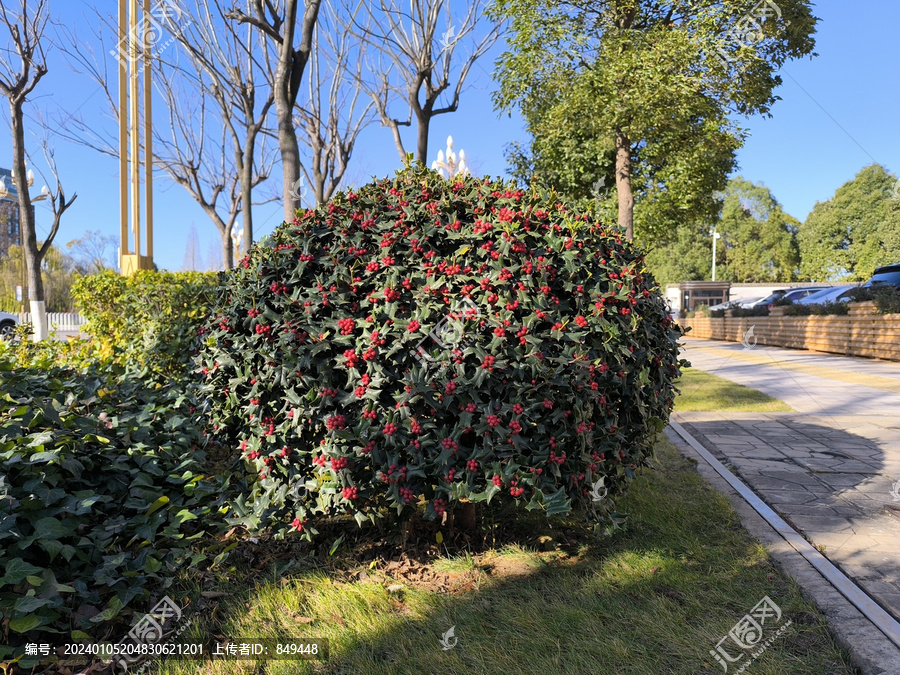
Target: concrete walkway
point(832, 469)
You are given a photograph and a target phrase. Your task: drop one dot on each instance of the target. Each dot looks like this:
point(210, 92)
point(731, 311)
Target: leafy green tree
point(686, 258)
point(759, 239)
point(857, 230)
point(58, 272)
point(639, 92)
point(758, 242)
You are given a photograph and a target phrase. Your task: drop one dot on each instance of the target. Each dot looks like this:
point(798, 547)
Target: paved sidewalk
point(832, 469)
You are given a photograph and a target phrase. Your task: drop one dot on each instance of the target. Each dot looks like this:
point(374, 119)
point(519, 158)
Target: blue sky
point(838, 114)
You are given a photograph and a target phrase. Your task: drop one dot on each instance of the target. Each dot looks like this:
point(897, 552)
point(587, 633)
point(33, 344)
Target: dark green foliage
point(885, 297)
point(104, 496)
point(759, 310)
point(553, 369)
point(819, 309)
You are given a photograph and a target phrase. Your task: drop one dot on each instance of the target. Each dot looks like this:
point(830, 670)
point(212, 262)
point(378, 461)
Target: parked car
point(833, 294)
point(797, 294)
point(790, 294)
point(889, 274)
point(769, 299)
point(731, 304)
point(8, 323)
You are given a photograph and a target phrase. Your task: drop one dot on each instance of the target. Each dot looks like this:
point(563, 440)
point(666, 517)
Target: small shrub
point(759, 310)
point(701, 310)
point(424, 342)
point(885, 296)
point(148, 321)
point(819, 309)
point(104, 495)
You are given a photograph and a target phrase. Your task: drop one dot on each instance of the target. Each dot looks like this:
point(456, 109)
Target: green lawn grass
point(653, 598)
point(701, 391)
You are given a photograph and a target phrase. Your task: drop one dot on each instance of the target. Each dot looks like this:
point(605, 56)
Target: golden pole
point(148, 135)
point(123, 137)
point(135, 131)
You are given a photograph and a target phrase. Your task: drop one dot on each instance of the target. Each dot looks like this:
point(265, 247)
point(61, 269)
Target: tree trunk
point(246, 204)
point(623, 185)
point(227, 250)
point(27, 228)
point(422, 139)
point(290, 160)
point(464, 517)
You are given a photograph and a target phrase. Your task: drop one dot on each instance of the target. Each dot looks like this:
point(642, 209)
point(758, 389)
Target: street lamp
point(450, 166)
point(237, 237)
point(715, 237)
point(29, 181)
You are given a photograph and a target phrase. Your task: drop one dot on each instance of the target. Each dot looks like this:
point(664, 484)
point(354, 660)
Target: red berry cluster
point(346, 326)
point(336, 422)
point(558, 459)
point(350, 493)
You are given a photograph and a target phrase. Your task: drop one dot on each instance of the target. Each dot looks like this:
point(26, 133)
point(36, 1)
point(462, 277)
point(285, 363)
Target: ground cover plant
point(422, 343)
point(106, 491)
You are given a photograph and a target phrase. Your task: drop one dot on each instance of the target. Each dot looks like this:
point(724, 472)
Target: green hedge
point(149, 321)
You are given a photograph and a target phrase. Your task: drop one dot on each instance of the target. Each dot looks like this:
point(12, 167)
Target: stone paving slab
point(832, 485)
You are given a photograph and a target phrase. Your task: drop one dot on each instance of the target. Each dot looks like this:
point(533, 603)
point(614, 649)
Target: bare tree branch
point(216, 82)
point(331, 128)
point(278, 22)
point(418, 64)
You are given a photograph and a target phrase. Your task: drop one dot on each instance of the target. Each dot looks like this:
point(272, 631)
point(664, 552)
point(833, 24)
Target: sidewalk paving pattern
point(832, 469)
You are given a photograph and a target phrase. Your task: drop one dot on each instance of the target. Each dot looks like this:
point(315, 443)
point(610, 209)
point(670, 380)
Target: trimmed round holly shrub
point(424, 342)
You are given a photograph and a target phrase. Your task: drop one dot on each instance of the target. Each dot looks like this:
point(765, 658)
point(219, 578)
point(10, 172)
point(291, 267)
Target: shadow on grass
point(655, 598)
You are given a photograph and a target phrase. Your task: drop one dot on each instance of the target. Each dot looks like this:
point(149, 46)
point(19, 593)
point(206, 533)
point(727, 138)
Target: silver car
point(8, 323)
point(834, 294)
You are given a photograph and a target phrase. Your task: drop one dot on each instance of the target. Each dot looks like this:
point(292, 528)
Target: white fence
point(60, 321)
